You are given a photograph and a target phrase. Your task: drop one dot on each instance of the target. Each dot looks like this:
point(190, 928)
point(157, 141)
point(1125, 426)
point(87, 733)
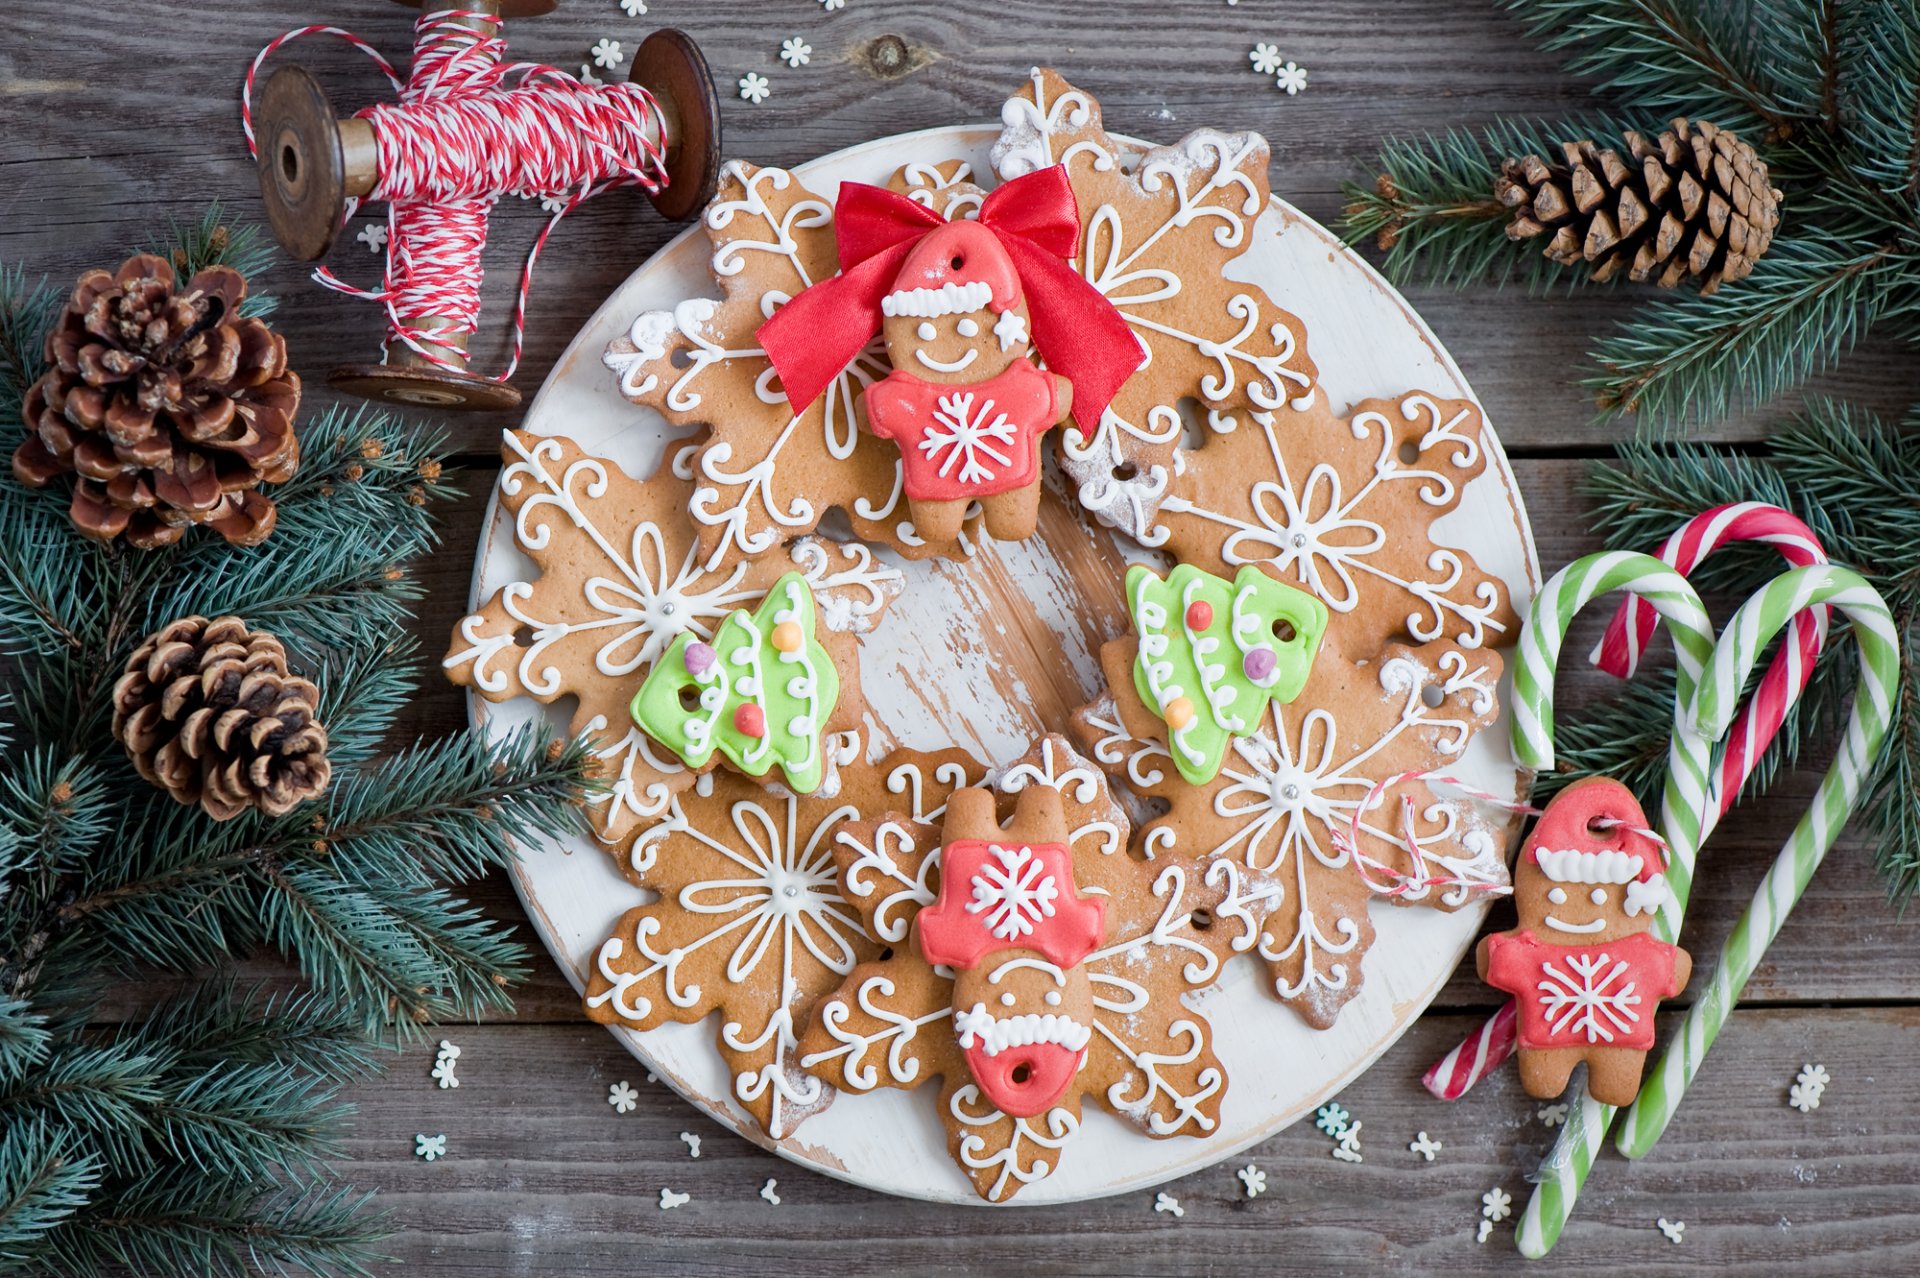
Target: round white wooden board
point(1366, 342)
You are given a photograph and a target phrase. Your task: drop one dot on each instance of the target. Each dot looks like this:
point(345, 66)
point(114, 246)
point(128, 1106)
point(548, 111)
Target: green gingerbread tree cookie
point(761, 693)
point(1214, 652)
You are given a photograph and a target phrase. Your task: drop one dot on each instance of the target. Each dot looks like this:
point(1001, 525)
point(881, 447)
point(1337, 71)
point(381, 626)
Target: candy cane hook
point(1791, 596)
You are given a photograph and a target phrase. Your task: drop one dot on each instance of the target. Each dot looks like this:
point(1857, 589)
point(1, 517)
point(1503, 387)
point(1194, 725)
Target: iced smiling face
point(1024, 1025)
point(955, 313)
point(1589, 874)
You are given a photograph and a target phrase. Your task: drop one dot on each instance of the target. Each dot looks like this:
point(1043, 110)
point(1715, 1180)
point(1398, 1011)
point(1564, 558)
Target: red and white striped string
point(1618, 653)
point(1395, 882)
point(460, 138)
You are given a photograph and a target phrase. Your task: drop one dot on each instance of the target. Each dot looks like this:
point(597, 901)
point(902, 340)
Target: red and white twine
point(1395, 882)
point(460, 138)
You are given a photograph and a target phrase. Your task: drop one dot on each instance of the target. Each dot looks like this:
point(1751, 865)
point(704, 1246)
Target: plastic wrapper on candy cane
point(1618, 653)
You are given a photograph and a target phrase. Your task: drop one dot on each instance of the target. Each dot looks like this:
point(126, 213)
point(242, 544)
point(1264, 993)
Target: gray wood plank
point(541, 1176)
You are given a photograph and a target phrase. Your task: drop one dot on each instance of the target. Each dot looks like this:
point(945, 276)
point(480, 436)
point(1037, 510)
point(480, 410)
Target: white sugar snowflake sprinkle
point(1254, 1179)
point(1348, 1151)
point(447, 1050)
point(1265, 58)
point(766, 1191)
point(430, 1147)
point(692, 1143)
point(634, 8)
point(1292, 79)
point(587, 76)
point(1486, 1231)
point(1331, 1119)
point(1168, 1203)
point(669, 1200)
point(796, 52)
point(1496, 1204)
point(831, 5)
point(1673, 1229)
point(607, 54)
point(1551, 1115)
point(552, 203)
point(374, 236)
point(754, 88)
point(623, 1098)
point(1809, 1086)
point(1425, 1148)
point(443, 1073)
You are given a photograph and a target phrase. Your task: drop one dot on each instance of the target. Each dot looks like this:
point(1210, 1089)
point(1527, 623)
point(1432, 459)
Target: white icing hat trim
point(1575, 865)
point(932, 303)
point(997, 1034)
point(1648, 897)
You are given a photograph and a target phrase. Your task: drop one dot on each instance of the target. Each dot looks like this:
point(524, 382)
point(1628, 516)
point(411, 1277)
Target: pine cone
point(1695, 202)
point(171, 406)
point(210, 715)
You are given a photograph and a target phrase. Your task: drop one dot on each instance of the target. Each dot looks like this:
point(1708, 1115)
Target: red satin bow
point(1075, 328)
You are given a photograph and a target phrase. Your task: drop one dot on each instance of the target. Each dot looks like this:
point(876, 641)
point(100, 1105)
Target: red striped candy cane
point(1618, 653)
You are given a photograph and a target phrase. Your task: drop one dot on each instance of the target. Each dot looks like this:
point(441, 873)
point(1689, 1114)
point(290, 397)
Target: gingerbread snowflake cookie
point(1158, 232)
point(1303, 788)
point(1050, 974)
point(625, 600)
point(750, 923)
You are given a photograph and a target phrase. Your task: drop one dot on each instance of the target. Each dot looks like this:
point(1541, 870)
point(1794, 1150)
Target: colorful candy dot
point(1179, 713)
point(1259, 663)
point(698, 659)
point(750, 720)
point(787, 636)
point(1199, 615)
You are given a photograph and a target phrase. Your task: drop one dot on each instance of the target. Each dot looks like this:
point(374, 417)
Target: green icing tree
point(1214, 652)
point(761, 693)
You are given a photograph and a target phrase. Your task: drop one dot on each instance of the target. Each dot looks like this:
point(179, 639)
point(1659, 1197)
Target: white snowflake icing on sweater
point(1588, 997)
point(1016, 893)
point(968, 438)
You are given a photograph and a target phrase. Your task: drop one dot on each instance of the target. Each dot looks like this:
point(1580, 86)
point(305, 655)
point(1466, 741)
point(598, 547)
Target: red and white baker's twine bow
point(1395, 882)
point(1618, 653)
point(460, 138)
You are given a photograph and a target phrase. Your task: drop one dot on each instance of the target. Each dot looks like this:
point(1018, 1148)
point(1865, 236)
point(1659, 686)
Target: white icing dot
point(925, 332)
point(967, 328)
point(1053, 998)
point(1558, 896)
point(1598, 896)
point(1006, 1000)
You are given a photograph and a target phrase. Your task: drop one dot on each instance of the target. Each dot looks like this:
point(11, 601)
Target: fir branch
point(1694, 357)
point(218, 1021)
point(1433, 213)
point(98, 1093)
point(42, 1183)
point(28, 309)
point(260, 1121)
point(24, 1041)
point(213, 241)
point(1881, 50)
point(1709, 58)
point(219, 1227)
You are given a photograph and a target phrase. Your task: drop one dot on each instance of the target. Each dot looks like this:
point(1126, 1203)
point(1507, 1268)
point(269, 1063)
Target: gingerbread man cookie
point(954, 300)
point(1015, 930)
point(1585, 971)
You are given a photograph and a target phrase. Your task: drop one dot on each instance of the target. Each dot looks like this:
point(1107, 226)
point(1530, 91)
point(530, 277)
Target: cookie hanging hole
point(1409, 452)
point(1202, 919)
point(886, 954)
point(957, 262)
point(689, 698)
point(682, 357)
point(1431, 696)
point(1602, 827)
point(1021, 1073)
point(1193, 422)
point(1283, 630)
point(523, 636)
point(1125, 471)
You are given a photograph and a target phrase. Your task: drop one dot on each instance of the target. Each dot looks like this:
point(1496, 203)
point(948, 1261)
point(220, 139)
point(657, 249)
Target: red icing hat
point(1592, 832)
point(961, 260)
point(998, 894)
point(1035, 225)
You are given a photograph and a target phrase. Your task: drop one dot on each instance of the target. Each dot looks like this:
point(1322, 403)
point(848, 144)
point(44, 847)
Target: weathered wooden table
point(115, 118)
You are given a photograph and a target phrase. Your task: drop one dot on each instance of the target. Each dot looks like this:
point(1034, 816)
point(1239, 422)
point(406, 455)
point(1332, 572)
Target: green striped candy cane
point(1684, 809)
point(1738, 653)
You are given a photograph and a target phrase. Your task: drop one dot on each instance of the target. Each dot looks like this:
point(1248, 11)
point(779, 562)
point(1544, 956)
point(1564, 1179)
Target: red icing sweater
point(965, 441)
point(1583, 995)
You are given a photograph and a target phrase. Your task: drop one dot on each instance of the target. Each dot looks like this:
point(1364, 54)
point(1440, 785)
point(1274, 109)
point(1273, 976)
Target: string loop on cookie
point(1461, 874)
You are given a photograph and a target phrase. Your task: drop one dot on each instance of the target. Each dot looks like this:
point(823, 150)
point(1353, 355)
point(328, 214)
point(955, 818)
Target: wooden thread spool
point(312, 163)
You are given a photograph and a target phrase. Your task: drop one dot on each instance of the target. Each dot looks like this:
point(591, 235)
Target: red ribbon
point(1075, 328)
